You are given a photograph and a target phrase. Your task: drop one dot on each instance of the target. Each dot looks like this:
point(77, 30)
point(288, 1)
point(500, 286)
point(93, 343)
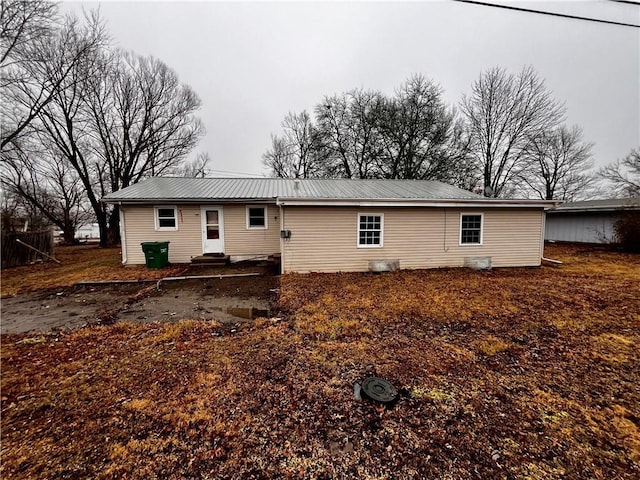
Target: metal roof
point(611, 204)
point(238, 189)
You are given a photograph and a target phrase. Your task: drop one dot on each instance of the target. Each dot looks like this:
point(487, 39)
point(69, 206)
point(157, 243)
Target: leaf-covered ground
point(511, 373)
point(79, 263)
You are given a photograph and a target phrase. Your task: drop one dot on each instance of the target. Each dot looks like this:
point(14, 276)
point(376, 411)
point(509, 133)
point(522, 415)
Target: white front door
point(212, 230)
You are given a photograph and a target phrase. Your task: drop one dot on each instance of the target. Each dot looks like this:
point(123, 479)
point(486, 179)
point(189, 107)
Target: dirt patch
point(221, 299)
point(62, 308)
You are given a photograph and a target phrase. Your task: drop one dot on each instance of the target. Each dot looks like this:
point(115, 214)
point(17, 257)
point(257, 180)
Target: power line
point(628, 2)
point(257, 175)
point(553, 14)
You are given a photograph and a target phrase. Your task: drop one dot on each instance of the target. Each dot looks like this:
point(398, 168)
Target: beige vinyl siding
point(186, 242)
point(324, 239)
point(240, 241)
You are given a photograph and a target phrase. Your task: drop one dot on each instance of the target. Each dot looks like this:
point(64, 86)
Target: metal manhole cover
point(379, 390)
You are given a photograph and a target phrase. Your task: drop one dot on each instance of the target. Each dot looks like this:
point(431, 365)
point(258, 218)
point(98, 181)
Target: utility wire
point(257, 175)
point(553, 14)
point(628, 2)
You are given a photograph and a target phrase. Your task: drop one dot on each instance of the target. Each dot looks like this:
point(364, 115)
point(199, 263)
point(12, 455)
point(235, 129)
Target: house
point(90, 231)
point(329, 225)
point(590, 221)
point(84, 233)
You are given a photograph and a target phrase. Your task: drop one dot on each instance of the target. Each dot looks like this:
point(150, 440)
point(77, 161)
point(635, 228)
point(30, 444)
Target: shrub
point(627, 230)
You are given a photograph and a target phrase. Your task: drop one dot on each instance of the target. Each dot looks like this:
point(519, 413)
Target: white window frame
point(360, 214)
point(475, 214)
point(266, 217)
point(156, 211)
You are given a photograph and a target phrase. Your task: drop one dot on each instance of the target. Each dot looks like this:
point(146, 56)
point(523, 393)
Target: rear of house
point(329, 225)
point(330, 239)
point(242, 231)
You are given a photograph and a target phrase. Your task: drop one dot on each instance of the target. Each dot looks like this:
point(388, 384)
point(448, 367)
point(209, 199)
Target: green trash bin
point(156, 254)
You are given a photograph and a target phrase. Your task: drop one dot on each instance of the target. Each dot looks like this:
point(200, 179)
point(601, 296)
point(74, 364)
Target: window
point(166, 218)
point(370, 230)
point(256, 217)
point(471, 229)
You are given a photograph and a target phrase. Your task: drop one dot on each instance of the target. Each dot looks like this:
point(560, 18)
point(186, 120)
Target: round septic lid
point(379, 390)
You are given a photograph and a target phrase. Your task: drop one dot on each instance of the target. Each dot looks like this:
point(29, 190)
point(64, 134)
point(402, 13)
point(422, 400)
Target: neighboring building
point(590, 221)
point(329, 225)
point(87, 232)
point(84, 233)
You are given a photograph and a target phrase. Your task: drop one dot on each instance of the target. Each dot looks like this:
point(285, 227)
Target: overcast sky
point(251, 63)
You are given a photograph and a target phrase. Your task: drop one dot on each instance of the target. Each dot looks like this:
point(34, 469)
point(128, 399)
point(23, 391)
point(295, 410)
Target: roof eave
point(202, 201)
point(420, 202)
point(620, 208)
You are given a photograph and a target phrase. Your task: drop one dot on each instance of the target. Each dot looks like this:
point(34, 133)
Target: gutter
point(621, 208)
point(387, 202)
point(195, 201)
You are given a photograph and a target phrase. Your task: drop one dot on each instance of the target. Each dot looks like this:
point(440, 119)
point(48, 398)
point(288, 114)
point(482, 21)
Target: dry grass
point(79, 263)
point(514, 373)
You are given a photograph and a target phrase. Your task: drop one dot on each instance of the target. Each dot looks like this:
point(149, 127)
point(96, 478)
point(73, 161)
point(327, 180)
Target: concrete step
point(271, 261)
point(211, 260)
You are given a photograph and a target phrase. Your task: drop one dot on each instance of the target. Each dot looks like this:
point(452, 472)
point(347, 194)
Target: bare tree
point(196, 168)
point(105, 118)
point(45, 185)
point(415, 126)
point(558, 163)
point(364, 134)
point(347, 124)
point(503, 113)
point(39, 60)
point(11, 215)
point(278, 159)
point(460, 164)
point(298, 153)
point(72, 61)
point(18, 215)
point(141, 116)
point(23, 22)
point(141, 120)
point(624, 174)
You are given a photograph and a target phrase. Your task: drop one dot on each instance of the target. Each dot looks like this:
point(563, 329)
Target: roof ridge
point(300, 179)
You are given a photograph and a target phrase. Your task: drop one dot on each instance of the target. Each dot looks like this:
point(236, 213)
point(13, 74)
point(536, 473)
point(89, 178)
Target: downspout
point(123, 238)
point(282, 240)
point(544, 234)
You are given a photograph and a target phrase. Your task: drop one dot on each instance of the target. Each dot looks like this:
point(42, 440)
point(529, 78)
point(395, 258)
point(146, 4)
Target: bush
point(627, 229)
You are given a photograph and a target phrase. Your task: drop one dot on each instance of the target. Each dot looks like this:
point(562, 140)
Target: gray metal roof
point(611, 204)
point(238, 189)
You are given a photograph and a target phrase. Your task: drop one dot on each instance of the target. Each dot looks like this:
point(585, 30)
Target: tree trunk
point(113, 234)
point(102, 226)
point(69, 235)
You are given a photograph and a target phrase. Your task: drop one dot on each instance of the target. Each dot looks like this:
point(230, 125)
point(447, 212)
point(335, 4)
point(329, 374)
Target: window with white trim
point(257, 217)
point(370, 228)
point(166, 218)
point(471, 229)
